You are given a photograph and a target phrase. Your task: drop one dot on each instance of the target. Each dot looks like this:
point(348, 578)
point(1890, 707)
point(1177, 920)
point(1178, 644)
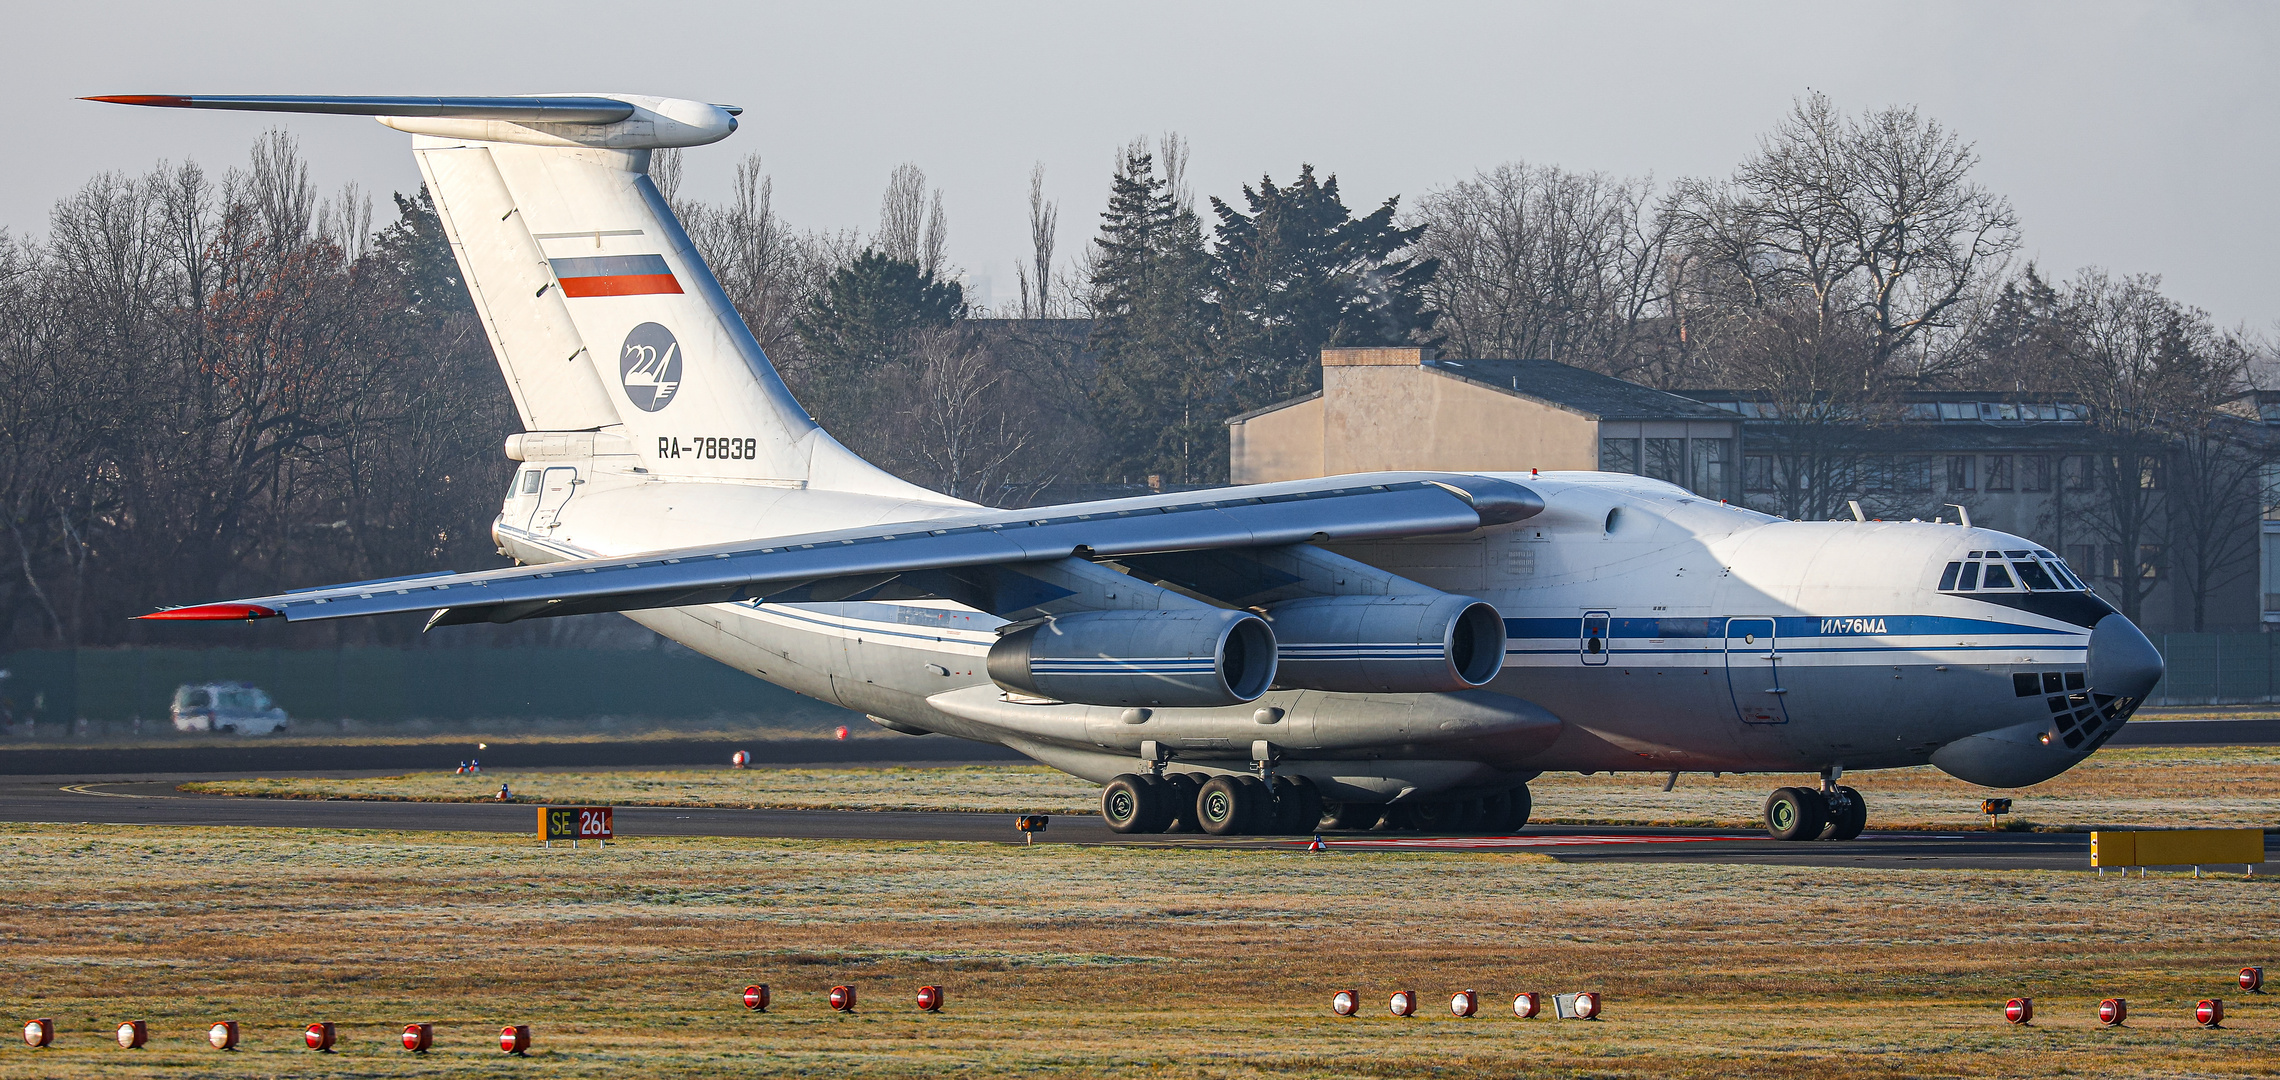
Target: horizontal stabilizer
point(524, 110)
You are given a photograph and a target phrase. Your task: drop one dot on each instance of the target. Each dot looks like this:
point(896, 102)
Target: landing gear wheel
point(1399, 817)
point(1131, 804)
point(1523, 804)
point(1222, 806)
point(1258, 806)
point(1297, 805)
point(1447, 815)
point(1847, 816)
point(1353, 816)
point(1496, 813)
point(1179, 794)
point(1795, 814)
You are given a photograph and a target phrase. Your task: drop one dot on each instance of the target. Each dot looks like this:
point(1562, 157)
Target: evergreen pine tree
point(1159, 395)
point(860, 322)
point(1299, 273)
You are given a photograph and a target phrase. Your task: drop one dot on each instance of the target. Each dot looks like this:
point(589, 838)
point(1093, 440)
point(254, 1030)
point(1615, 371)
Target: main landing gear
point(1832, 812)
point(1219, 805)
point(1249, 805)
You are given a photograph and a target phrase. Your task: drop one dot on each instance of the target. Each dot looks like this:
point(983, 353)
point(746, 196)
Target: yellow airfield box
point(2177, 847)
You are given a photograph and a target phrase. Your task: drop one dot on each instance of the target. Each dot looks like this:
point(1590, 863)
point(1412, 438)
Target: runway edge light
point(843, 999)
point(1527, 1004)
point(1403, 1003)
point(223, 1035)
point(321, 1036)
point(2019, 1010)
point(515, 1039)
point(1345, 1002)
point(39, 1033)
point(930, 999)
point(2209, 1013)
point(419, 1038)
point(756, 997)
point(1464, 1004)
point(133, 1034)
point(2252, 980)
point(1584, 1005)
point(2112, 1012)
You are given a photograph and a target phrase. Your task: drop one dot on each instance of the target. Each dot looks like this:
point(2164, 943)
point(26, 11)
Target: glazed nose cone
point(2122, 662)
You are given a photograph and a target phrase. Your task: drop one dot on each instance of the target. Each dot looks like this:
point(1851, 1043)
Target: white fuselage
point(1663, 631)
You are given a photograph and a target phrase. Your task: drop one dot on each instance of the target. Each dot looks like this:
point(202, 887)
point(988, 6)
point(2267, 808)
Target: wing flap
point(1341, 508)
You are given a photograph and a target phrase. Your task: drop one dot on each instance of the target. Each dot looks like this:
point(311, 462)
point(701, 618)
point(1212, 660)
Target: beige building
point(1396, 409)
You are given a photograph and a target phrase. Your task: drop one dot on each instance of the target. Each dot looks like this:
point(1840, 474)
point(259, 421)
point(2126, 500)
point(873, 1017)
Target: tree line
point(212, 385)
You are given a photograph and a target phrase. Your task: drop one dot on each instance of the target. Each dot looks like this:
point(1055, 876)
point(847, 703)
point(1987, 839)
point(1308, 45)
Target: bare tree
point(966, 432)
point(1036, 278)
point(902, 214)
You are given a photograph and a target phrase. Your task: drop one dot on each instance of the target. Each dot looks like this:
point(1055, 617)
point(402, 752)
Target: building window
point(1998, 472)
point(2074, 472)
point(2149, 561)
point(2270, 474)
point(1961, 470)
point(1666, 459)
point(1757, 472)
point(2083, 560)
point(1875, 475)
point(2149, 473)
point(1619, 455)
point(1916, 475)
point(2034, 472)
point(2272, 577)
point(1711, 457)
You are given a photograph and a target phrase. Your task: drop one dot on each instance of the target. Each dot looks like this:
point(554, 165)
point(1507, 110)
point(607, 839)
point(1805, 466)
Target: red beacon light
point(321, 1037)
point(930, 999)
point(843, 999)
point(2210, 1013)
point(2112, 1012)
point(756, 997)
point(2019, 1010)
point(419, 1038)
point(515, 1039)
point(2252, 980)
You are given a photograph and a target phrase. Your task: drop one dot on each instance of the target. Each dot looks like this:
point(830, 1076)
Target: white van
point(229, 706)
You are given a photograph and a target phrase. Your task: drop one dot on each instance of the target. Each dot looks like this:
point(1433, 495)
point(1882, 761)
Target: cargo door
point(1753, 672)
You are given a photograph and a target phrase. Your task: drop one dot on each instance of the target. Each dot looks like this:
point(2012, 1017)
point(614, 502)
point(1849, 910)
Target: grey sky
point(2134, 136)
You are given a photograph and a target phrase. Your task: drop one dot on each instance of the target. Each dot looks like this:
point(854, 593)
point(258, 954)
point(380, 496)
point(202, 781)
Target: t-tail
point(602, 314)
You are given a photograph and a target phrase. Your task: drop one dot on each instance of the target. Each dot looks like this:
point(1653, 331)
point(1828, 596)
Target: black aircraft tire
point(1496, 813)
point(1220, 806)
point(1180, 790)
point(1523, 804)
point(1847, 823)
point(1298, 805)
point(1399, 817)
point(1353, 816)
point(1258, 806)
point(1439, 816)
point(1130, 804)
point(1795, 814)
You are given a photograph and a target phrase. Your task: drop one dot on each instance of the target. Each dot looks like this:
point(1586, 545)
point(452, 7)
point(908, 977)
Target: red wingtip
point(170, 101)
point(214, 612)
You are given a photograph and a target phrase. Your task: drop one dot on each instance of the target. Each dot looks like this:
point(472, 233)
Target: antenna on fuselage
point(1855, 504)
point(1962, 515)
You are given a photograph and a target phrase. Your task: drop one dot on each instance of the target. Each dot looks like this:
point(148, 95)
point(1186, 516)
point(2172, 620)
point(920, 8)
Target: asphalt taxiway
point(154, 800)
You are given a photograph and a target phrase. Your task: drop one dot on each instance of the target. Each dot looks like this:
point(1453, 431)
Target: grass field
point(1092, 961)
point(2209, 786)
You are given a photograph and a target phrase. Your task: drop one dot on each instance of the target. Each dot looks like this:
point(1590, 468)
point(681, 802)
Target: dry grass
point(1091, 961)
point(2210, 786)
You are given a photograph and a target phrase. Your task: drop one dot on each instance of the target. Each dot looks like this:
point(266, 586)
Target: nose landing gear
point(1833, 812)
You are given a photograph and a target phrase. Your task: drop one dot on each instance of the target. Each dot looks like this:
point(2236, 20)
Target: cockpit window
point(2014, 554)
point(1947, 576)
point(1997, 578)
point(1970, 578)
point(2032, 576)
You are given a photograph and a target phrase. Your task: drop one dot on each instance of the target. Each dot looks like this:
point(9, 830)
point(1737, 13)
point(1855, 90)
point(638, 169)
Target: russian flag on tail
point(615, 275)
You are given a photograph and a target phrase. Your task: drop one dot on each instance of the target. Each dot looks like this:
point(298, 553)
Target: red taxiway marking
point(1511, 841)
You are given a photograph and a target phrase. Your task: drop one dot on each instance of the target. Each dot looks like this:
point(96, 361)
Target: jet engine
point(1420, 643)
point(1189, 658)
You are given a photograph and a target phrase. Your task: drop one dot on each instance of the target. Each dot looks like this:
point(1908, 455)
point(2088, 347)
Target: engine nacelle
point(1192, 657)
point(1423, 643)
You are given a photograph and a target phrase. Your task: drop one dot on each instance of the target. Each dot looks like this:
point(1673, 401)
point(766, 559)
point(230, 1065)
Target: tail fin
point(601, 312)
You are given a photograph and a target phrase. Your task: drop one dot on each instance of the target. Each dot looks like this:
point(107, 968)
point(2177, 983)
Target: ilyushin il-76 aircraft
point(1380, 650)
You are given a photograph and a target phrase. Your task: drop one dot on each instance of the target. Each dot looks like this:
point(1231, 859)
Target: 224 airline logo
point(650, 366)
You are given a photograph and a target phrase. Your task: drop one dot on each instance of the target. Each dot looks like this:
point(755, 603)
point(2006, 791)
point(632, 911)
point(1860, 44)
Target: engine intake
point(1425, 643)
point(1192, 658)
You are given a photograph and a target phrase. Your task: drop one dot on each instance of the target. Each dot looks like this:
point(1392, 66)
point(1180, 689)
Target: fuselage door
point(1593, 645)
point(1753, 672)
point(554, 491)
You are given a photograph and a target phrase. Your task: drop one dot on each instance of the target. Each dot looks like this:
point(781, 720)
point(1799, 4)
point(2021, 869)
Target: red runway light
point(223, 1036)
point(515, 1040)
point(930, 999)
point(132, 1035)
point(2112, 1012)
point(321, 1037)
point(418, 1038)
point(2019, 1010)
point(38, 1033)
point(2209, 1013)
point(2252, 980)
point(843, 999)
point(756, 997)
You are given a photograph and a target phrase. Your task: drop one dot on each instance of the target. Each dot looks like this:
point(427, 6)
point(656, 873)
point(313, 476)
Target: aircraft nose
point(2122, 662)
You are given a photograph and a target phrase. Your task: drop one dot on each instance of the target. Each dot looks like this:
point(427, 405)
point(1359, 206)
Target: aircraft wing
point(1361, 507)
